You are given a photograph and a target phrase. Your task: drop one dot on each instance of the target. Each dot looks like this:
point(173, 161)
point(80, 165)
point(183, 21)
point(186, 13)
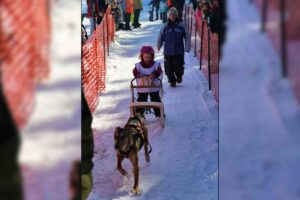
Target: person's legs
point(156, 12)
point(127, 20)
point(142, 97)
point(155, 98)
point(170, 70)
point(136, 18)
point(179, 69)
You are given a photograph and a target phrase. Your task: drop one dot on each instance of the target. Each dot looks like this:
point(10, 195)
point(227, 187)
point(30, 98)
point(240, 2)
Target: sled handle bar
point(154, 86)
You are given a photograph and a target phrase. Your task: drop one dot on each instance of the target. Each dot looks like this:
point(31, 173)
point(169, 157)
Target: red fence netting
point(94, 53)
point(24, 55)
point(210, 47)
point(292, 30)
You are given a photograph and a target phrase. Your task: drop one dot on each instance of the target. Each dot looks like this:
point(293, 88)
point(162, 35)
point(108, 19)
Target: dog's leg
point(147, 156)
point(119, 165)
point(133, 157)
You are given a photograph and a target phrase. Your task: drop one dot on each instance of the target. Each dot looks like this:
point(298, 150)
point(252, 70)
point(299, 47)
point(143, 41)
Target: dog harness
point(131, 137)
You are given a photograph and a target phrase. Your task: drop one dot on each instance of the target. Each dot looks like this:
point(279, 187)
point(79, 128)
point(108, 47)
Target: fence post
point(191, 25)
point(264, 15)
point(107, 32)
point(201, 43)
point(209, 70)
point(195, 49)
point(94, 17)
point(188, 21)
point(283, 39)
point(104, 40)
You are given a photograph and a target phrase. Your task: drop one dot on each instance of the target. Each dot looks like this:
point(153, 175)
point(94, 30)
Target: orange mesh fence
point(94, 53)
point(292, 31)
point(210, 47)
point(24, 45)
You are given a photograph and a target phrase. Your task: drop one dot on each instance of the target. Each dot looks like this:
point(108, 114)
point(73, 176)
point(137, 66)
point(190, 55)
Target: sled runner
point(146, 82)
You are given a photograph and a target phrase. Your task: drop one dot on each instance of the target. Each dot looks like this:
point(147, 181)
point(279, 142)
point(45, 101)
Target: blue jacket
point(174, 38)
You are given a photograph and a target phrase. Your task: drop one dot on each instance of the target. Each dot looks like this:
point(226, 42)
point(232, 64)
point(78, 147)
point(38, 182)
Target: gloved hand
point(152, 76)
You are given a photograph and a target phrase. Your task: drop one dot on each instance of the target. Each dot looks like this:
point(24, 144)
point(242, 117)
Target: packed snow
point(258, 122)
point(184, 160)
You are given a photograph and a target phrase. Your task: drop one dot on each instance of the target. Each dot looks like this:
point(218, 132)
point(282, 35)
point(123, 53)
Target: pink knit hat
point(147, 49)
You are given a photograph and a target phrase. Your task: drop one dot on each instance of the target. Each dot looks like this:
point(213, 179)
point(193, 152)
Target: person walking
point(176, 41)
point(128, 10)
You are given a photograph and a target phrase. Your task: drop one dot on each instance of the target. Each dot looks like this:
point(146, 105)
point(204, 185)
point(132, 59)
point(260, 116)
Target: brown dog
point(128, 141)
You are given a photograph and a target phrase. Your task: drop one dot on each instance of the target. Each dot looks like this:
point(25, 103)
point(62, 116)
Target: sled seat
point(147, 105)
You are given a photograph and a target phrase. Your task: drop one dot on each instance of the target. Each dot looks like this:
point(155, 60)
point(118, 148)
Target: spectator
point(102, 6)
point(128, 10)
point(163, 7)
point(156, 6)
point(151, 10)
point(137, 6)
point(116, 12)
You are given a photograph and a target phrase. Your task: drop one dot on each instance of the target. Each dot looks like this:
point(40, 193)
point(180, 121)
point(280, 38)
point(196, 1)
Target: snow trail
point(184, 160)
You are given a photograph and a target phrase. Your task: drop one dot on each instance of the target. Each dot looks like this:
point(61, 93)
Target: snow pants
point(174, 67)
point(154, 96)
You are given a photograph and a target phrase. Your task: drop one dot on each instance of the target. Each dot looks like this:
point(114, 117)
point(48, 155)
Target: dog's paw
point(147, 157)
point(136, 191)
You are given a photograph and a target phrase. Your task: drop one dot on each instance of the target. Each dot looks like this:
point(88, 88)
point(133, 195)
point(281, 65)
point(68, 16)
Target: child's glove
point(152, 76)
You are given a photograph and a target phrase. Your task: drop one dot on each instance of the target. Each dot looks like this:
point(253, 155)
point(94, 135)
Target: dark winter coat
point(87, 141)
point(10, 173)
point(174, 38)
point(7, 123)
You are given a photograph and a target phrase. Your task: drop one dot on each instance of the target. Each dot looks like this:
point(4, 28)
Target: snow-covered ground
point(184, 160)
point(51, 139)
point(259, 118)
point(258, 122)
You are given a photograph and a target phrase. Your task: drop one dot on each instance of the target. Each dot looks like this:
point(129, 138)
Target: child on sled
point(148, 70)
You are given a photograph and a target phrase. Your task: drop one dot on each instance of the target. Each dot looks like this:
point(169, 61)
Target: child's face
point(147, 58)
